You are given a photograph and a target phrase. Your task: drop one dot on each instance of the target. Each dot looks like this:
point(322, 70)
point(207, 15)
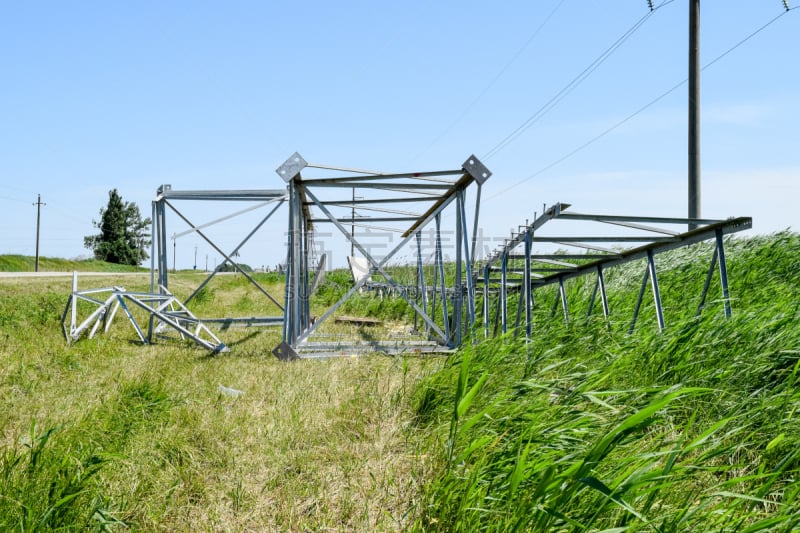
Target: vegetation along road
point(66, 274)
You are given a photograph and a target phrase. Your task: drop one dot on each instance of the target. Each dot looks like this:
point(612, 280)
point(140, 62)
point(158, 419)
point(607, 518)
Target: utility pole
point(38, 205)
point(195, 257)
point(353, 225)
point(694, 111)
point(174, 252)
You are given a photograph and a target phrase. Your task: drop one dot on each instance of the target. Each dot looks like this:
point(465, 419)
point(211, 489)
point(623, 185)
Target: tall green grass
point(51, 487)
point(588, 429)
point(585, 428)
point(26, 263)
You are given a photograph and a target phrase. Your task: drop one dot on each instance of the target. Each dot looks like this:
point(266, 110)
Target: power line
point(13, 199)
point(64, 213)
point(572, 85)
point(638, 111)
point(11, 187)
point(71, 216)
point(493, 80)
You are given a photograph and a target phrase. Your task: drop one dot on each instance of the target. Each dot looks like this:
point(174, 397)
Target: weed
point(589, 429)
point(45, 487)
point(582, 428)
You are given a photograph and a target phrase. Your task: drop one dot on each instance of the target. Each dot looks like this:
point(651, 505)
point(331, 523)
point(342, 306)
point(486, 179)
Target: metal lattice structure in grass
point(519, 266)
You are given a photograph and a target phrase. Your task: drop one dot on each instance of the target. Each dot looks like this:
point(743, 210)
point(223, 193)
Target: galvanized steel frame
point(546, 269)
point(159, 269)
point(308, 207)
point(162, 308)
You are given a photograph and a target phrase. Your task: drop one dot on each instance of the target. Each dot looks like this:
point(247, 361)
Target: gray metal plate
point(291, 167)
point(284, 352)
point(476, 169)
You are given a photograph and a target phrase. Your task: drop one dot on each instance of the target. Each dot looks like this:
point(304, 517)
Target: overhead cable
point(638, 111)
point(572, 85)
point(495, 79)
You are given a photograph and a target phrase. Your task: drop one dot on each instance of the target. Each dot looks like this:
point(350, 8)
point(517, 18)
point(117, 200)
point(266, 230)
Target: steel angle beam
point(370, 201)
point(343, 169)
point(375, 209)
point(629, 247)
point(319, 275)
point(609, 239)
point(226, 196)
point(253, 321)
point(472, 165)
point(593, 247)
point(533, 268)
point(641, 227)
point(636, 219)
point(177, 323)
point(428, 195)
point(166, 192)
point(349, 220)
point(566, 256)
point(600, 285)
point(347, 180)
point(552, 262)
point(373, 226)
point(700, 234)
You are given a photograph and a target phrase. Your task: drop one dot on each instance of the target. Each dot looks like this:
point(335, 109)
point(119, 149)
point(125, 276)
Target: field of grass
point(589, 429)
point(585, 428)
point(107, 432)
point(25, 263)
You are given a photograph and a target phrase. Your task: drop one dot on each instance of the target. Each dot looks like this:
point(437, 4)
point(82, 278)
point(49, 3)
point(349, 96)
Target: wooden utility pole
point(38, 205)
point(353, 225)
point(694, 111)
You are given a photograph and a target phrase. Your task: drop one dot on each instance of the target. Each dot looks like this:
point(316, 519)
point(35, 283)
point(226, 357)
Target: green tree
point(123, 237)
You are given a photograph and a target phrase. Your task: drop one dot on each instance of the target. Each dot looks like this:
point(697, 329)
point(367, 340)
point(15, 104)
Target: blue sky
point(213, 95)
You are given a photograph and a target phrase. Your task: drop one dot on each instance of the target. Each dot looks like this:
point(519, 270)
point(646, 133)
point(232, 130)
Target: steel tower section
point(404, 203)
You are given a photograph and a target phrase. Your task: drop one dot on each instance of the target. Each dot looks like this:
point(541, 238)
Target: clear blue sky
point(216, 95)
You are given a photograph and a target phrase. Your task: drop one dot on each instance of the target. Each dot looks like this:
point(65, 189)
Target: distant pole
point(206, 262)
point(38, 205)
point(353, 225)
point(174, 252)
point(195, 257)
point(694, 111)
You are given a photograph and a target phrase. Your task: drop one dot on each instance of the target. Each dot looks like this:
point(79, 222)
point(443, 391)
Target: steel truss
point(585, 255)
point(159, 270)
point(405, 203)
point(162, 308)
